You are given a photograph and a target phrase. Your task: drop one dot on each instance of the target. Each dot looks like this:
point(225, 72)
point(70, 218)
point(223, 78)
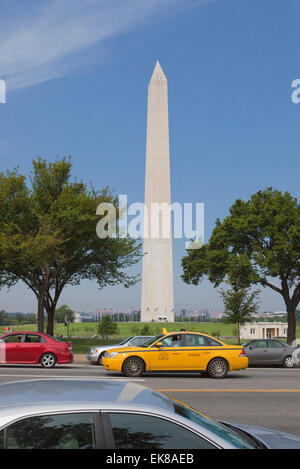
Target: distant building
point(263, 330)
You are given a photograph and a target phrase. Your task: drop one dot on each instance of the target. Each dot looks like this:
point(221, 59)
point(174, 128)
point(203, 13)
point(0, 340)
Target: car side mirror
point(251, 347)
point(158, 345)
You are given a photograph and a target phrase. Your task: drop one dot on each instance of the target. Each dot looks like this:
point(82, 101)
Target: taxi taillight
point(243, 353)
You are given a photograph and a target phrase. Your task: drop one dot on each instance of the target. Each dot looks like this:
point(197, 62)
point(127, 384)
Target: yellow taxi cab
point(178, 351)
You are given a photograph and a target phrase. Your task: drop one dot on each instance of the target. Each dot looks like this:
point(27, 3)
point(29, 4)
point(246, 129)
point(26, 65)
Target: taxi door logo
point(163, 356)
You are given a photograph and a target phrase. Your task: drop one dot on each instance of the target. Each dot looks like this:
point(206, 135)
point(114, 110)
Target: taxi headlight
point(112, 354)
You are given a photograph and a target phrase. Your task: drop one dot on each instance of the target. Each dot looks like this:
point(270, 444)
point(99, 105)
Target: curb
point(80, 358)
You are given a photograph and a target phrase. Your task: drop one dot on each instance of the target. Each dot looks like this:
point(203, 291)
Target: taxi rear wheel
point(217, 368)
point(133, 366)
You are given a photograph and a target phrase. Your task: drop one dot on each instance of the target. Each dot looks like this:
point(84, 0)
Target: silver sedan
point(271, 352)
point(115, 414)
point(95, 354)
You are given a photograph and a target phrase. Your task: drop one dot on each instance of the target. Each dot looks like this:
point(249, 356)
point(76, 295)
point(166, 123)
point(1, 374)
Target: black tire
point(217, 368)
point(288, 362)
point(99, 361)
point(48, 360)
point(133, 367)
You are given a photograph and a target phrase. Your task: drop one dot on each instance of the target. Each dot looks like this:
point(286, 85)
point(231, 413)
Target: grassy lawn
point(81, 333)
point(82, 346)
point(127, 329)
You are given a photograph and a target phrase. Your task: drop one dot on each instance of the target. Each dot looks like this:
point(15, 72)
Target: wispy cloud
point(40, 41)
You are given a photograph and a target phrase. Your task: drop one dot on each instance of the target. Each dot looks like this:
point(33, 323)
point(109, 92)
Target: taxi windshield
point(151, 341)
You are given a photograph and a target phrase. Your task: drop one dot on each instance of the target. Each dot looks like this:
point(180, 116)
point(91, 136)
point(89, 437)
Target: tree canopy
point(48, 235)
point(258, 243)
point(239, 305)
point(64, 312)
point(107, 327)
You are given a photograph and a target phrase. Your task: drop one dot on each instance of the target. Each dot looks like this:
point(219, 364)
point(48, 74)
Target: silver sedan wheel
point(99, 361)
point(133, 367)
point(217, 368)
point(48, 360)
point(288, 362)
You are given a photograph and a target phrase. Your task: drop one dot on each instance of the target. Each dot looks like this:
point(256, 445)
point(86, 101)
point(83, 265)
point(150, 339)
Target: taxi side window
point(212, 342)
point(172, 341)
point(193, 340)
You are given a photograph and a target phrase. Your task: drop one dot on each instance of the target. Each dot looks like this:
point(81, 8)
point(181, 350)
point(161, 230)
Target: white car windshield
point(125, 340)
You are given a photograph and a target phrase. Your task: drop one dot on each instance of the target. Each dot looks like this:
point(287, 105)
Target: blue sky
point(77, 74)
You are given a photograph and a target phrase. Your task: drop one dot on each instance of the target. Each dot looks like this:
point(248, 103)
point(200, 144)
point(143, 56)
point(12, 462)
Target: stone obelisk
point(157, 280)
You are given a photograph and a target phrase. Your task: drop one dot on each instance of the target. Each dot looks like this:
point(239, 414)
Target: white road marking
point(69, 377)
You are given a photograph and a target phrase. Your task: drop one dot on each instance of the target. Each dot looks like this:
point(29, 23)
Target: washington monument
point(157, 280)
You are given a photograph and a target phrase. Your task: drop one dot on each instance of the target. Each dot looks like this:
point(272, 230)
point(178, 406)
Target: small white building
point(263, 330)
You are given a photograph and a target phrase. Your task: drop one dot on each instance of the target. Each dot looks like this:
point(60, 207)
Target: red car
point(34, 348)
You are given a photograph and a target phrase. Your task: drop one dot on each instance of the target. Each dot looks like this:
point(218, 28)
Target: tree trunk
point(239, 334)
point(291, 315)
point(40, 313)
point(50, 323)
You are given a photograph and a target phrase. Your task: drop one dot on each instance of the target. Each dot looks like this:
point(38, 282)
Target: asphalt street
point(268, 397)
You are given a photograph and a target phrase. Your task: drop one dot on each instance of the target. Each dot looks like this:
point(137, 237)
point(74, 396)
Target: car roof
point(136, 336)
point(59, 390)
point(191, 332)
point(39, 397)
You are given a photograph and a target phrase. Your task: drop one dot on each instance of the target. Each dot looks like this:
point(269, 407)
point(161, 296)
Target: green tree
point(4, 318)
point(258, 243)
point(27, 241)
point(239, 306)
point(107, 327)
point(64, 312)
point(146, 330)
point(48, 236)
point(135, 330)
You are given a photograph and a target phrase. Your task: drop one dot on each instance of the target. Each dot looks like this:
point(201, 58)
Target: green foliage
point(48, 236)
point(146, 330)
point(107, 327)
point(216, 333)
point(16, 319)
point(240, 305)
point(135, 330)
point(4, 318)
point(64, 312)
point(257, 243)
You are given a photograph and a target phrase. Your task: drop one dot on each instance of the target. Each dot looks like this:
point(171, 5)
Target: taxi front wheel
point(133, 366)
point(217, 368)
